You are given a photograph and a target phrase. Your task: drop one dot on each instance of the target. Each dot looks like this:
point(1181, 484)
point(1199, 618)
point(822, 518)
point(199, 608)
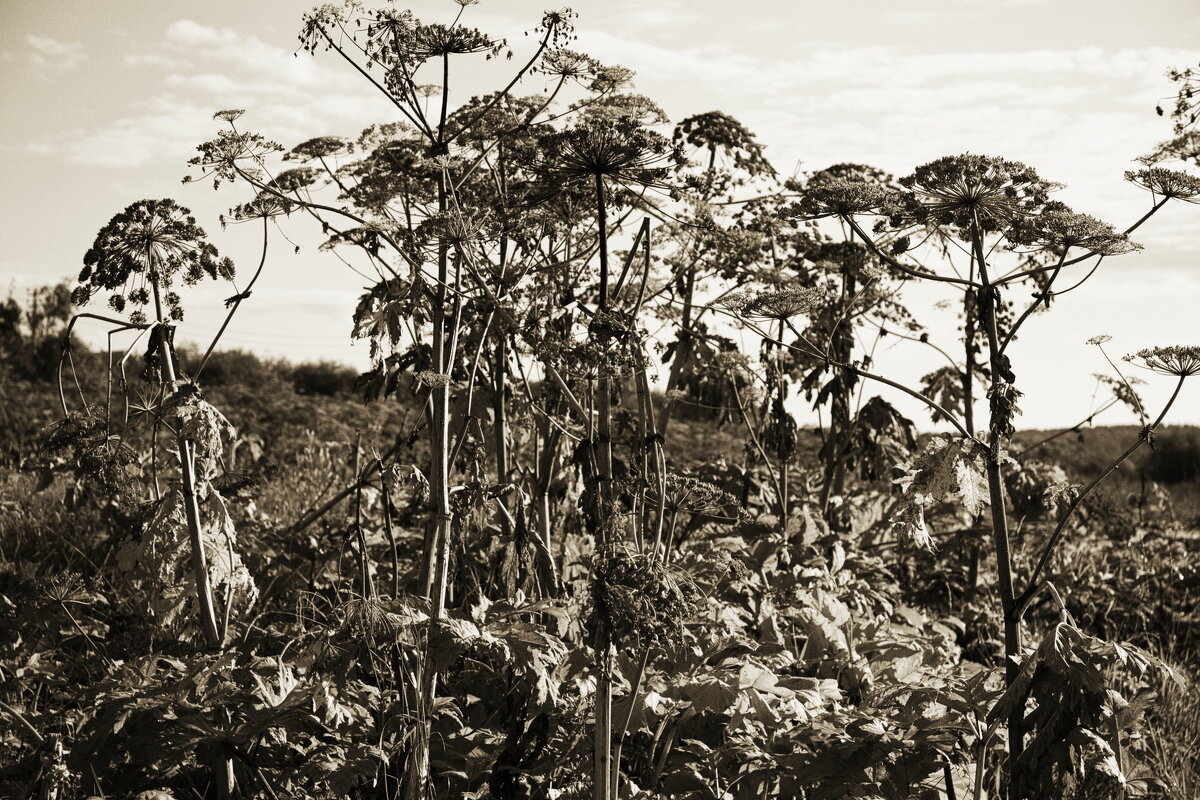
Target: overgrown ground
point(775, 629)
point(517, 572)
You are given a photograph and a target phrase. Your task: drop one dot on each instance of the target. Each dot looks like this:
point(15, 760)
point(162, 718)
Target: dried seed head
point(1183, 361)
point(953, 189)
point(840, 197)
point(1169, 183)
point(1064, 229)
point(151, 241)
point(736, 301)
point(783, 304)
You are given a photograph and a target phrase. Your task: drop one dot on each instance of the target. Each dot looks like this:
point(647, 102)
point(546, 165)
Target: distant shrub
point(1176, 456)
point(229, 368)
point(326, 378)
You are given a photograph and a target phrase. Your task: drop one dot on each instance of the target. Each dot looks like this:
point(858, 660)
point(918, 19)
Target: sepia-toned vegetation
point(565, 537)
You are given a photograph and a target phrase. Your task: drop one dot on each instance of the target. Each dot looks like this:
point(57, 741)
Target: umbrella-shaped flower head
point(1060, 230)
point(620, 151)
point(1182, 361)
point(150, 243)
point(1170, 184)
point(995, 191)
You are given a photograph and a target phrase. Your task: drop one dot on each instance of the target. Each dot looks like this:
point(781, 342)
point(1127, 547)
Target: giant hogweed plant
point(406, 204)
point(186, 551)
point(457, 212)
point(582, 616)
point(989, 207)
point(751, 250)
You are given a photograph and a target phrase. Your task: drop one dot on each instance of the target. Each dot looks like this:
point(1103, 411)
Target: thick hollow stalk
point(602, 771)
point(222, 766)
point(191, 505)
point(783, 462)
point(602, 766)
point(995, 479)
point(604, 384)
point(683, 353)
point(435, 564)
point(439, 434)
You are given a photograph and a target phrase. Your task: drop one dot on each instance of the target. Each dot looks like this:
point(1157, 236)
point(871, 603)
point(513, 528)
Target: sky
point(101, 104)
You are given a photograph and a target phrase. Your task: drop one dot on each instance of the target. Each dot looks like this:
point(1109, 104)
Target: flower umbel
point(1169, 183)
point(840, 197)
point(953, 188)
point(1061, 230)
point(784, 303)
point(621, 151)
point(151, 240)
point(1183, 361)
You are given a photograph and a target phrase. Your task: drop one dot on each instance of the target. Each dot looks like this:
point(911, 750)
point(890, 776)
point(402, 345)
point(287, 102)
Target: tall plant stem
point(222, 765)
point(635, 688)
point(970, 312)
point(439, 443)
point(970, 323)
point(548, 439)
point(783, 462)
point(386, 502)
point(602, 242)
point(603, 765)
point(500, 417)
point(191, 505)
point(655, 463)
point(436, 561)
point(500, 378)
point(604, 384)
point(683, 354)
point(653, 433)
point(995, 479)
point(602, 772)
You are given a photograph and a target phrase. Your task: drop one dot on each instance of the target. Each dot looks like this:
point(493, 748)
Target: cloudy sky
point(102, 104)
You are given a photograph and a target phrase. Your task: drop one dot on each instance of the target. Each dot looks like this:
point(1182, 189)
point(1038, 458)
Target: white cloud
point(663, 19)
point(168, 128)
point(151, 60)
point(205, 69)
point(1079, 114)
point(212, 83)
point(266, 67)
point(54, 55)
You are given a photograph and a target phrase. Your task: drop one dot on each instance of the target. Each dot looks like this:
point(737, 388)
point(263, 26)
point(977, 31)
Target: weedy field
point(504, 563)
